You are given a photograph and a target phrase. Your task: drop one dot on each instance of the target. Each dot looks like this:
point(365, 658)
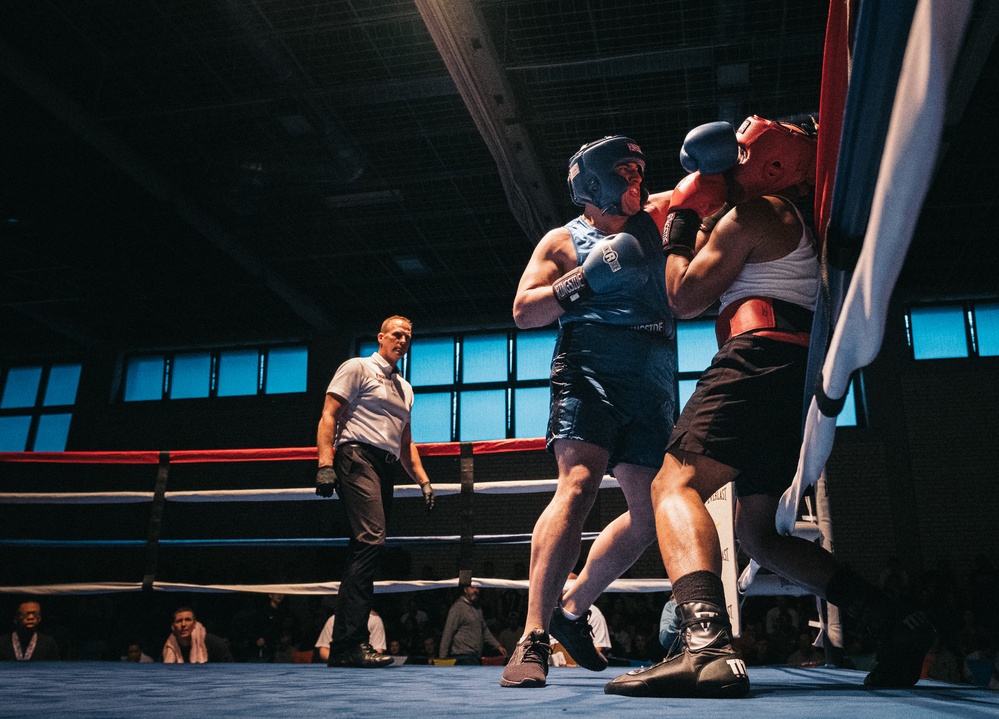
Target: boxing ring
point(113, 689)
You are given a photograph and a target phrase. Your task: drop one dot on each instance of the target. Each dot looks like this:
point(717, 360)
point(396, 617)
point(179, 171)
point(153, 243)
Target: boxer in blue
point(601, 276)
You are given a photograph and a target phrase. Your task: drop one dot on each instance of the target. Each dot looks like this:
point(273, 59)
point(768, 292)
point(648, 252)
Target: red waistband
point(756, 315)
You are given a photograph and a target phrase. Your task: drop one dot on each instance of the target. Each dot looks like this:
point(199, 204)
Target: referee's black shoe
point(363, 656)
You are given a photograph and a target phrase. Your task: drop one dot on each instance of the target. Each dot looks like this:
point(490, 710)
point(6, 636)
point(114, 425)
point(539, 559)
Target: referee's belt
point(765, 317)
point(374, 452)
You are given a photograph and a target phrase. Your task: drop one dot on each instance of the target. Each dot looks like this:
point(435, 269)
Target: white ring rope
point(296, 494)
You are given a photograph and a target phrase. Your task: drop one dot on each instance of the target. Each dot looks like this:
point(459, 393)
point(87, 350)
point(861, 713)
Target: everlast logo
point(719, 495)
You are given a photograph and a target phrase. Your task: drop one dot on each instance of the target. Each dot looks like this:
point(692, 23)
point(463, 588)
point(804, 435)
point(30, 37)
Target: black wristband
point(681, 250)
point(571, 288)
point(680, 233)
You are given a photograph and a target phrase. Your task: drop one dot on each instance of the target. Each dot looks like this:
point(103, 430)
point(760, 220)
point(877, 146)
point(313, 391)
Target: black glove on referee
point(428, 496)
point(326, 481)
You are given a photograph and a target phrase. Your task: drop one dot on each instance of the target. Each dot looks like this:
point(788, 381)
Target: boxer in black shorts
point(743, 422)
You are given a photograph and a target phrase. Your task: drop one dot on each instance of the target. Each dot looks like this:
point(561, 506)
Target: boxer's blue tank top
point(634, 306)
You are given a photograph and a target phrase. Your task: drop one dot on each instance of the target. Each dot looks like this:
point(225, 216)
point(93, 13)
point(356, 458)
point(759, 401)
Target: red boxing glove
point(695, 196)
point(704, 194)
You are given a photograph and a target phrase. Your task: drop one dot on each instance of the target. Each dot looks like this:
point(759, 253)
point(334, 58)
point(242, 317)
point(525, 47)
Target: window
point(950, 331)
point(938, 332)
point(987, 329)
point(478, 386)
point(287, 369)
point(36, 407)
point(218, 373)
point(191, 376)
point(238, 373)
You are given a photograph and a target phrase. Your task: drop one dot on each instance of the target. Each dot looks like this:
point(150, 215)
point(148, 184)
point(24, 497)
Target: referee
point(366, 417)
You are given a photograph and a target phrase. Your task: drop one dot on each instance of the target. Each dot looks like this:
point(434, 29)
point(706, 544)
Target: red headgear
point(772, 156)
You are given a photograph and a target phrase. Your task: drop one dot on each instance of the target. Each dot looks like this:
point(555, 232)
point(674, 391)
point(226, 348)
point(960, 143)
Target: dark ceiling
point(187, 172)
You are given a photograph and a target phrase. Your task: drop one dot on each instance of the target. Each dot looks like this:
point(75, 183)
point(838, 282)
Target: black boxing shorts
point(746, 412)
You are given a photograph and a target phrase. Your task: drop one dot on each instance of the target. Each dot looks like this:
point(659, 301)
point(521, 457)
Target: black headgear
point(591, 172)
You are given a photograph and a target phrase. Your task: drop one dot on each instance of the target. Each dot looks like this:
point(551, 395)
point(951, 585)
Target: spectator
point(190, 643)
point(465, 632)
point(284, 651)
point(512, 631)
point(133, 653)
point(669, 626)
point(25, 643)
point(270, 622)
point(783, 606)
point(376, 631)
point(752, 643)
point(806, 654)
point(942, 664)
point(782, 640)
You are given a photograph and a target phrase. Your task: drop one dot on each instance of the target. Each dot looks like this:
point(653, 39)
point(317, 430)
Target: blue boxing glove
point(710, 149)
point(613, 262)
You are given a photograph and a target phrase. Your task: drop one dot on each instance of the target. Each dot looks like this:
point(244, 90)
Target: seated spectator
point(133, 653)
point(620, 634)
point(941, 663)
point(782, 640)
point(776, 615)
point(425, 653)
point(752, 643)
point(806, 654)
point(511, 632)
point(284, 652)
point(376, 631)
point(645, 649)
point(25, 643)
point(190, 643)
point(669, 626)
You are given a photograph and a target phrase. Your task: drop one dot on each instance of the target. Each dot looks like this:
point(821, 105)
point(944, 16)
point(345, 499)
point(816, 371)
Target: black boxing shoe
point(901, 652)
point(363, 656)
point(576, 635)
point(705, 665)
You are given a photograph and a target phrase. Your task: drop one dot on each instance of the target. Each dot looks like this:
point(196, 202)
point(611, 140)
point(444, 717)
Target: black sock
point(699, 586)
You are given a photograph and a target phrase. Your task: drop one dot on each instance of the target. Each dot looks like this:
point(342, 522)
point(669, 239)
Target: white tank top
point(792, 278)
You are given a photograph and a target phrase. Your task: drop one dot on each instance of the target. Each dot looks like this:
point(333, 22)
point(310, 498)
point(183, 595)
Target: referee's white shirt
point(379, 402)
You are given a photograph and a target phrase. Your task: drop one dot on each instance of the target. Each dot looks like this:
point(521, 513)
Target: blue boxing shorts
point(746, 412)
point(613, 387)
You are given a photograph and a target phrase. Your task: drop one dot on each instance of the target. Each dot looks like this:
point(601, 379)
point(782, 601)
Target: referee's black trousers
point(365, 492)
